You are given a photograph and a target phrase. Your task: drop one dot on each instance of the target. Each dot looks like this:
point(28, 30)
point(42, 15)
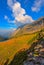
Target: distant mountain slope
point(1, 38)
point(6, 34)
point(25, 29)
point(30, 28)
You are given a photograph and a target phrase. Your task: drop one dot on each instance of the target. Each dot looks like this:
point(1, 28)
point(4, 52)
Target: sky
point(14, 13)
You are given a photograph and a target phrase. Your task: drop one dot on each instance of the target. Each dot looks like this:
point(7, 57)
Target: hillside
point(10, 47)
point(21, 39)
point(30, 56)
point(30, 28)
point(35, 54)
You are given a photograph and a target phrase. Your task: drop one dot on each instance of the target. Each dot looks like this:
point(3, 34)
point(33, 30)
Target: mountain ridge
point(29, 28)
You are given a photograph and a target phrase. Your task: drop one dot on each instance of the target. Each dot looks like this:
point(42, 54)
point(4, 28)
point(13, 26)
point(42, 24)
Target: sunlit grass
point(9, 48)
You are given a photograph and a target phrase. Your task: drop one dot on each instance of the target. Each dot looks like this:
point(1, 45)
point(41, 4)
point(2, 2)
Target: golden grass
point(10, 47)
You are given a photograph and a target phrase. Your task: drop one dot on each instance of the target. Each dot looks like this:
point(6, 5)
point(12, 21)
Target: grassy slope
point(10, 47)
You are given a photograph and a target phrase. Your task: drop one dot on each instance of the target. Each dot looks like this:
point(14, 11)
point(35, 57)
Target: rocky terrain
point(36, 52)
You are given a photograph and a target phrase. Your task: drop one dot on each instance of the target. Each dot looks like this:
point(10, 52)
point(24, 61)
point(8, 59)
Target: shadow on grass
point(6, 63)
point(18, 58)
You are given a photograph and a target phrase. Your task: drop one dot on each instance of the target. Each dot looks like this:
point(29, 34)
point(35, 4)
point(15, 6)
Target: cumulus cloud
point(10, 2)
point(37, 5)
point(19, 14)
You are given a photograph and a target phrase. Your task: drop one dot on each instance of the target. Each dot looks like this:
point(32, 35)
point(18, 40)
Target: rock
point(36, 56)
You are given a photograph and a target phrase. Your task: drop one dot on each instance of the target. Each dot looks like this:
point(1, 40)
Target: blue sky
point(14, 13)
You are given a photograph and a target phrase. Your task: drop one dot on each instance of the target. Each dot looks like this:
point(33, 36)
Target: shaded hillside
point(35, 54)
point(2, 39)
point(6, 33)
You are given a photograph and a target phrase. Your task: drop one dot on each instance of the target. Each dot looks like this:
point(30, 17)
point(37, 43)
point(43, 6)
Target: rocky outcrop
point(36, 53)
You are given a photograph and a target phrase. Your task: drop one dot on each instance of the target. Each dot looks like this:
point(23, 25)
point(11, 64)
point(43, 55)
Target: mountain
point(23, 30)
point(30, 28)
point(19, 40)
point(32, 56)
point(6, 34)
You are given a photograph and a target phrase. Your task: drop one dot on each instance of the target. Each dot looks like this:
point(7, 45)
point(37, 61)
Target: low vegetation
point(22, 55)
point(9, 48)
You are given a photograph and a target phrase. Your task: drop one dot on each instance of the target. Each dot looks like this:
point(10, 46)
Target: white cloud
point(19, 13)
point(11, 28)
point(5, 17)
point(37, 5)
